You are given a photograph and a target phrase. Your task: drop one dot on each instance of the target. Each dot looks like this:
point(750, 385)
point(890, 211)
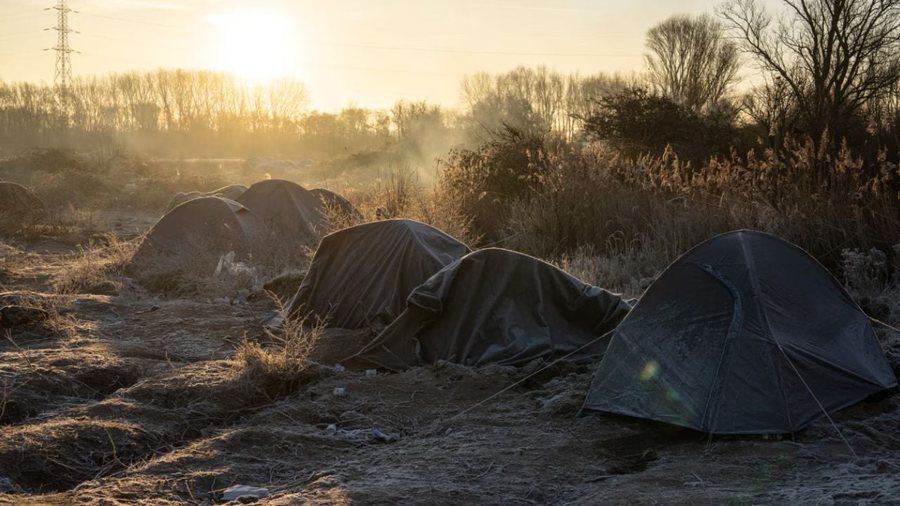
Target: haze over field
point(364, 52)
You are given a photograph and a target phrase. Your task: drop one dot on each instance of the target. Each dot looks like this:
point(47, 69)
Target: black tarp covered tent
point(498, 306)
point(194, 236)
point(292, 212)
point(360, 276)
point(744, 334)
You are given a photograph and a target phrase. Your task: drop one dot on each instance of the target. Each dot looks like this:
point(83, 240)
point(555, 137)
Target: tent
point(360, 276)
point(332, 199)
point(232, 191)
point(194, 236)
point(498, 306)
point(744, 334)
point(293, 213)
point(18, 205)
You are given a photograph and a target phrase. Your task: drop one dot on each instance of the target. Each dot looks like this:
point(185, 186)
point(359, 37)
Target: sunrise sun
point(254, 45)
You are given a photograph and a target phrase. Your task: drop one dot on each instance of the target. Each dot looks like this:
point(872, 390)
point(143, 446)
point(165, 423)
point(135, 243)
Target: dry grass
point(281, 365)
point(638, 215)
point(401, 195)
point(50, 315)
point(58, 455)
point(11, 261)
point(98, 268)
point(873, 279)
point(338, 218)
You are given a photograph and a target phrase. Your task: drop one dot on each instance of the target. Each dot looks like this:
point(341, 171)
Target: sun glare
point(254, 45)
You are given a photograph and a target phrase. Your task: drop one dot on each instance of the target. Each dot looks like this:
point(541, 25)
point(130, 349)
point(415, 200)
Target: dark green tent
point(744, 334)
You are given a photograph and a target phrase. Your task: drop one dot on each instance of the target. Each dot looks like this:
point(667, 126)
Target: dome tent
point(498, 306)
point(193, 237)
point(360, 276)
point(18, 205)
point(336, 201)
point(293, 213)
point(232, 192)
point(744, 334)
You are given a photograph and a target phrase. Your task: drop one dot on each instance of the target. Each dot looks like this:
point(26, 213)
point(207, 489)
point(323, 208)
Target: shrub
point(279, 367)
point(636, 122)
point(484, 181)
point(638, 215)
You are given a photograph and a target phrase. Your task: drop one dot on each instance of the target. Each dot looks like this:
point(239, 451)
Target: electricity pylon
point(63, 76)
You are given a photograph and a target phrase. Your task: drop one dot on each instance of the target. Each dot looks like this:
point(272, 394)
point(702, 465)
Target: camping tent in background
point(293, 213)
point(232, 192)
point(498, 306)
point(744, 334)
point(193, 237)
point(18, 205)
point(360, 276)
point(332, 199)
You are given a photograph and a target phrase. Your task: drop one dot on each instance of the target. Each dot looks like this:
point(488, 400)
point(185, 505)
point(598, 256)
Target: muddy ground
point(133, 399)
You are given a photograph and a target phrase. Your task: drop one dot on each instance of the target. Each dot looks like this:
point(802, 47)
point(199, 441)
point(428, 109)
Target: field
point(114, 395)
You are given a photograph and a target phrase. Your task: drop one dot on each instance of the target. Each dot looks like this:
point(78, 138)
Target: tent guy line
point(531, 375)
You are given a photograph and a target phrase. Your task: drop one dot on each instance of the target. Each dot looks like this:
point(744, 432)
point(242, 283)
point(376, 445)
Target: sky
point(362, 52)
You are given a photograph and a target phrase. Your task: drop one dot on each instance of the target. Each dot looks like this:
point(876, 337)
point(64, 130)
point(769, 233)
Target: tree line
point(830, 73)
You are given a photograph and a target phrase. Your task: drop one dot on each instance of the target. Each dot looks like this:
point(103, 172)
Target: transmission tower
point(63, 76)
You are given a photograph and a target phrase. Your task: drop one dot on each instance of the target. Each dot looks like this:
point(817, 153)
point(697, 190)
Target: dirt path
point(130, 399)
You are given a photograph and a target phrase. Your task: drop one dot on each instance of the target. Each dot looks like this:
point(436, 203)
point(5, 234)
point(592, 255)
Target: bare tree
point(834, 56)
point(690, 60)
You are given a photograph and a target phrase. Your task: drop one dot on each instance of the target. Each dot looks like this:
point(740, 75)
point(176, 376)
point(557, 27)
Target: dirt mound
point(19, 207)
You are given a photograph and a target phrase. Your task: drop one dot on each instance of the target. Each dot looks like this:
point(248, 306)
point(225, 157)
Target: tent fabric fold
point(496, 306)
point(744, 334)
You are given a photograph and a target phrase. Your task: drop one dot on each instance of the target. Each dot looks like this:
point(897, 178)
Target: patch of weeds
point(97, 268)
point(283, 365)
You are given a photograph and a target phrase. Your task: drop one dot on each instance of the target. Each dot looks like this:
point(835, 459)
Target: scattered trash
point(274, 321)
point(227, 265)
point(244, 493)
point(340, 391)
point(381, 437)
point(373, 435)
point(243, 296)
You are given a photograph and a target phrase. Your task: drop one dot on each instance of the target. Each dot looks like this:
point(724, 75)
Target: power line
point(22, 15)
point(472, 51)
point(127, 20)
point(18, 35)
point(402, 47)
